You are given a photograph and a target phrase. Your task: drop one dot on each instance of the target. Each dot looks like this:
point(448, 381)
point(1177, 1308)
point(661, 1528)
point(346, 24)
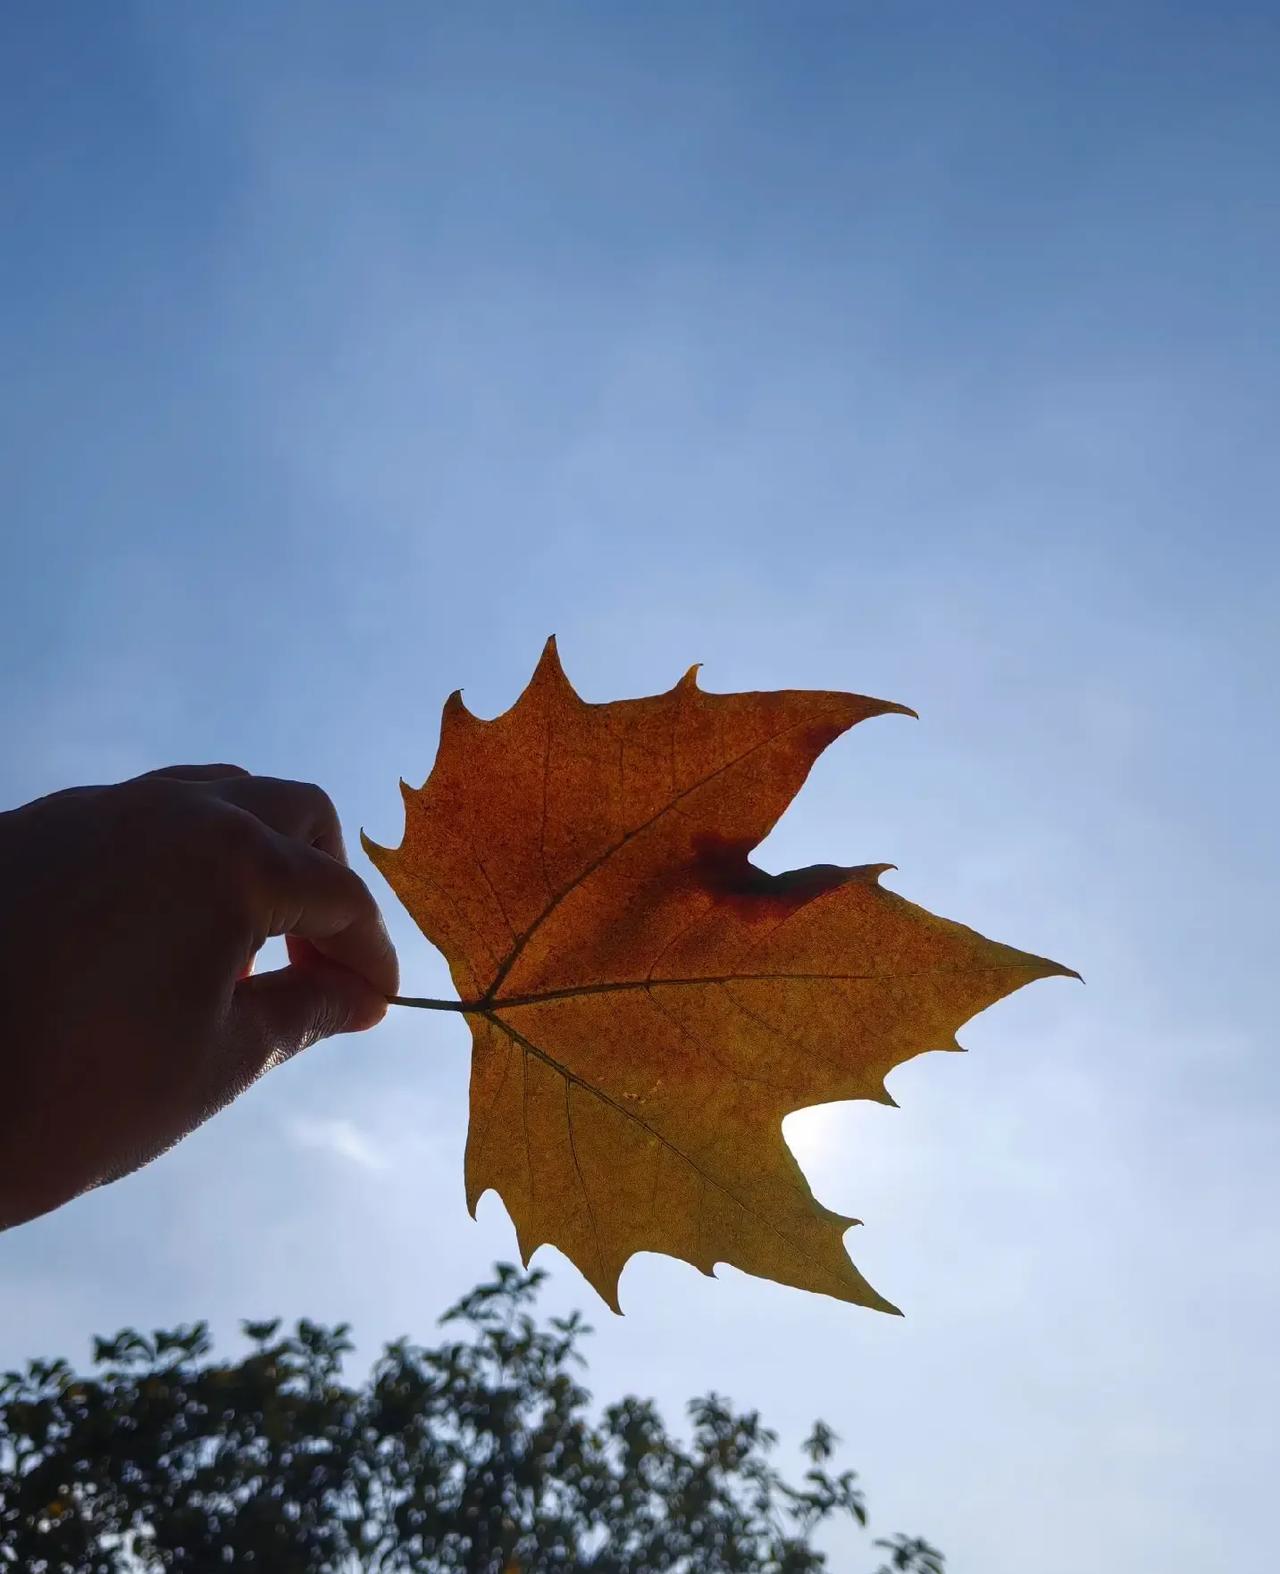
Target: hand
point(129, 920)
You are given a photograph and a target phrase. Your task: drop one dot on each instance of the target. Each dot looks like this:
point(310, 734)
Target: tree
point(480, 1454)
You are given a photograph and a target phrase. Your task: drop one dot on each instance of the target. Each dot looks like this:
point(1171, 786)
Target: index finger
point(317, 898)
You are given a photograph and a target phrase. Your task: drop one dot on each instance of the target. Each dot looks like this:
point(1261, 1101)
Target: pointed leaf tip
point(550, 669)
point(456, 715)
point(1052, 969)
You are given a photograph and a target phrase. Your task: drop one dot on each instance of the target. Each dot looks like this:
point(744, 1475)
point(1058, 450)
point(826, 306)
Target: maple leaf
point(646, 1004)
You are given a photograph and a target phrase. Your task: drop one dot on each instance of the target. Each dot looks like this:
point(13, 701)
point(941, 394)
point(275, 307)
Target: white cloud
point(343, 1138)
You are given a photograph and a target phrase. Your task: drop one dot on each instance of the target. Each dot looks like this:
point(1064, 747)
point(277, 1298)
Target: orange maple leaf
point(646, 1003)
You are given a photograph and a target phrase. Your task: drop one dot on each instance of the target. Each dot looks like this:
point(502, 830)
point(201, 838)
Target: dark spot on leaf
point(724, 869)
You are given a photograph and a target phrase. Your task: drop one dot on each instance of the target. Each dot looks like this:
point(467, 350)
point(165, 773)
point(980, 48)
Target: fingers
point(297, 809)
point(335, 910)
point(295, 869)
point(312, 896)
point(277, 1014)
point(176, 773)
point(194, 773)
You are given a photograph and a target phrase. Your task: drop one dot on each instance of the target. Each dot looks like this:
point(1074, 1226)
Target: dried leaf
point(646, 1004)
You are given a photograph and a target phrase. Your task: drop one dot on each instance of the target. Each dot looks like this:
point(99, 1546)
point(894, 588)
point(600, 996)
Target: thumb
point(282, 1012)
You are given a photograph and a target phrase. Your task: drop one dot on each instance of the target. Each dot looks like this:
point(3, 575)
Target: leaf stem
point(422, 1003)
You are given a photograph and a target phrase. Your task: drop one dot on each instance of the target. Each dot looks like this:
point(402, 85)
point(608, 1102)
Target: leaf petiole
point(424, 1004)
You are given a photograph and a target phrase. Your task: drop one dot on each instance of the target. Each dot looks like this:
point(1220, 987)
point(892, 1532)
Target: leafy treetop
point(479, 1454)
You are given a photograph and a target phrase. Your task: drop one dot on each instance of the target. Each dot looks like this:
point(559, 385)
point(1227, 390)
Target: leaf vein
point(705, 1176)
point(630, 836)
point(571, 992)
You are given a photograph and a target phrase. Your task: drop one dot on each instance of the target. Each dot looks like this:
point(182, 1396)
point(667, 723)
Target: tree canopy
point(482, 1453)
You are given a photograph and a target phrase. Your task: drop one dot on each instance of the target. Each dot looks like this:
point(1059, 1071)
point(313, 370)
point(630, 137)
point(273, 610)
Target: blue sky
point(922, 350)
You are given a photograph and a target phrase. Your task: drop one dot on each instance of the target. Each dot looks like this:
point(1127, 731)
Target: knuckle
point(150, 810)
point(320, 799)
point(321, 809)
point(306, 808)
point(145, 793)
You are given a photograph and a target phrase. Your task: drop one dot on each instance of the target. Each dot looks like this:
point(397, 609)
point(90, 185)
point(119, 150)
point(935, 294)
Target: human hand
point(129, 919)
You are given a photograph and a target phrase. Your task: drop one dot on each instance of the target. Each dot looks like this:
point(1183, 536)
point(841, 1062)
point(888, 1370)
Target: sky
point(923, 350)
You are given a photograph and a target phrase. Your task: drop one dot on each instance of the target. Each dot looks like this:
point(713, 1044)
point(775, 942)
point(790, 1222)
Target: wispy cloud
point(342, 1138)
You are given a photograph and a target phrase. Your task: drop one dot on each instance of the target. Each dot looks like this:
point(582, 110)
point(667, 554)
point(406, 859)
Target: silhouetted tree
point(481, 1455)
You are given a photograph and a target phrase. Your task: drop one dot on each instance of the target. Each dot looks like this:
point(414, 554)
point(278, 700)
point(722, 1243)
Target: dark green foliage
point(480, 1455)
